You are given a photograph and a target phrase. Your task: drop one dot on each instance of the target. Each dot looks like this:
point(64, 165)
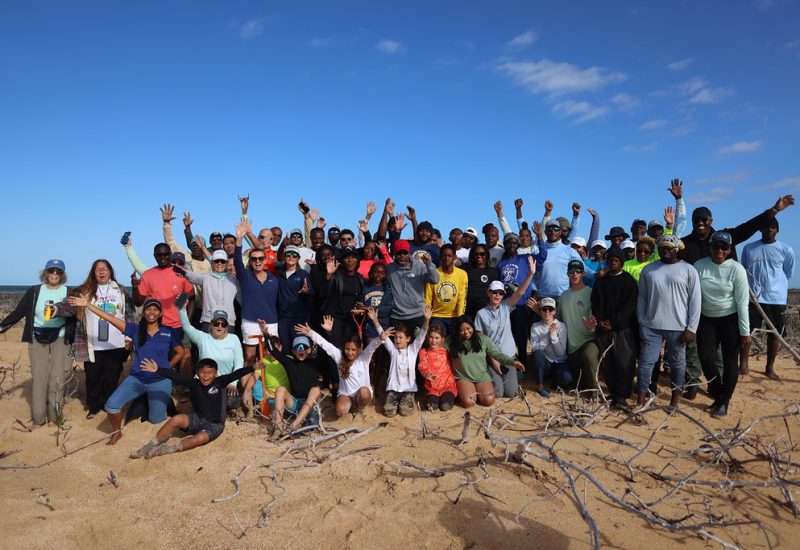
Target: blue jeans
point(675, 357)
point(561, 371)
point(158, 395)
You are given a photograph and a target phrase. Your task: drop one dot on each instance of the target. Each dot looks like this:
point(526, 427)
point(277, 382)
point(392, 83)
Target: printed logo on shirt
point(167, 334)
point(509, 273)
point(213, 390)
point(484, 278)
point(446, 291)
point(373, 298)
point(419, 254)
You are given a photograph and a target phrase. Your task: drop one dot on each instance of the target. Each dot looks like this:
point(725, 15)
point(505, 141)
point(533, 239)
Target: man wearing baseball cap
point(668, 309)
point(553, 278)
point(219, 290)
point(407, 279)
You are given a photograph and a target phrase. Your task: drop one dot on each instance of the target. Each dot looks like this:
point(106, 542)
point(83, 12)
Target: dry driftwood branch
point(267, 510)
point(236, 484)
point(6, 454)
point(45, 500)
point(772, 329)
point(112, 477)
point(56, 459)
point(425, 470)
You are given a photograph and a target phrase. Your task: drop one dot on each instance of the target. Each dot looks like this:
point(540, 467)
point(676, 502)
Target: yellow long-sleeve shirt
point(448, 297)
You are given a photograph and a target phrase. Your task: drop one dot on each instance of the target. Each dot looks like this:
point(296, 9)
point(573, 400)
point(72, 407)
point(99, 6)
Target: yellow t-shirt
point(448, 297)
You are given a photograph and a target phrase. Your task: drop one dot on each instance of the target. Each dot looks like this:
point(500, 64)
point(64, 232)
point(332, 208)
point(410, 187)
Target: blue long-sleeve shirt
point(769, 268)
point(259, 300)
point(514, 270)
point(553, 280)
point(291, 302)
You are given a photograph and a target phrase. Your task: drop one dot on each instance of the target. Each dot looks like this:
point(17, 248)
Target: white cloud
point(554, 78)
point(715, 194)
point(390, 47)
point(625, 102)
point(522, 41)
point(251, 29)
point(680, 65)
point(700, 91)
point(319, 42)
point(650, 147)
point(727, 179)
point(654, 124)
point(791, 184)
point(742, 147)
point(580, 111)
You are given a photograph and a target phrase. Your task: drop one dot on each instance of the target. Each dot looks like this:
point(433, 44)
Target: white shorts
point(250, 332)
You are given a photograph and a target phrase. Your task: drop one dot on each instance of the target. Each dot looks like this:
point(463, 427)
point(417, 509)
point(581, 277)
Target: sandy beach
point(368, 491)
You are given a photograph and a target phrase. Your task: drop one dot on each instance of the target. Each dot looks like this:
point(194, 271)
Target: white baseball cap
point(579, 241)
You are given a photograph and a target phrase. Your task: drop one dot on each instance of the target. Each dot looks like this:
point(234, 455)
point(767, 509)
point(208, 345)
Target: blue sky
point(110, 109)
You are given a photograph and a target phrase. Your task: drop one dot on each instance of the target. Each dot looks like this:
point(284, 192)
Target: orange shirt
point(165, 285)
point(436, 362)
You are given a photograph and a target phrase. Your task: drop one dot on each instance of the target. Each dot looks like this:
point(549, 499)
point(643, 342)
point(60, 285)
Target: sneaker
point(407, 404)
point(720, 412)
point(544, 393)
point(144, 450)
point(161, 450)
point(390, 407)
point(620, 403)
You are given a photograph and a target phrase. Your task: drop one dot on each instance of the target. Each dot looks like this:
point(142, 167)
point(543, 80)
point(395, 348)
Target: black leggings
point(102, 376)
point(723, 332)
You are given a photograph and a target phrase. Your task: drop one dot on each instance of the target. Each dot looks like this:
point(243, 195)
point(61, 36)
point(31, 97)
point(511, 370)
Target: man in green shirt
point(575, 310)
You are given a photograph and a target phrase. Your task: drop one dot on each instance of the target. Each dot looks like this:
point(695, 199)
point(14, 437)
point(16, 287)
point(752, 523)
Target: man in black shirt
point(206, 421)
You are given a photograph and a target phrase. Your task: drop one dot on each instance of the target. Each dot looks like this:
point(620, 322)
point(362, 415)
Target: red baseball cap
point(401, 244)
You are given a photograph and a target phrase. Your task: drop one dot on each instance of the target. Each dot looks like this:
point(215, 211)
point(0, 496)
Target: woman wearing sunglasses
point(724, 319)
point(220, 290)
point(48, 339)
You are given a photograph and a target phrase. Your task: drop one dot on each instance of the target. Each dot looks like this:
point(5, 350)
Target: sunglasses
point(292, 255)
point(552, 230)
point(400, 253)
point(264, 237)
point(548, 308)
point(501, 292)
point(222, 324)
point(571, 271)
point(220, 261)
point(257, 259)
point(300, 347)
point(54, 270)
point(216, 238)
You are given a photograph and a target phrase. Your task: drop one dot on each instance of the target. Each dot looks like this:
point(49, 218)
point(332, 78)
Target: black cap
point(701, 212)
point(617, 231)
point(152, 302)
point(575, 265)
point(349, 251)
point(617, 253)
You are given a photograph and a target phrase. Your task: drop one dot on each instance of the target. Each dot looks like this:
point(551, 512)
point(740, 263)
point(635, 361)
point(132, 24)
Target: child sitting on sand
point(305, 392)
point(402, 384)
point(206, 421)
point(270, 369)
point(437, 369)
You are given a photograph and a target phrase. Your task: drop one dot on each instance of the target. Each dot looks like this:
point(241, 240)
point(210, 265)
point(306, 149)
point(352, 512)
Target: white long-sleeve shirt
point(359, 371)
point(402, 368)
point(554, 344)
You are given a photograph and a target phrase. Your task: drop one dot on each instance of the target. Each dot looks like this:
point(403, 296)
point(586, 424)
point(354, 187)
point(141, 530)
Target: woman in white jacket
point(549, 344)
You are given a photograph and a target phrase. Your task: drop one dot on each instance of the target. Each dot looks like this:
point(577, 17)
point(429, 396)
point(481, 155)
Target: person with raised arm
point(407, 279)
point(151, 340)
point(448, 297)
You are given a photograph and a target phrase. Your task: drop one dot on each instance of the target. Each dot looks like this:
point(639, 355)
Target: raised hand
point(305, 329)
point(592, 212)
point(576, 209)
point(533, 303)
point(498, 208)
point(148, 365)
point(548, 206)
point(389, 206)
point(412, 213)
point(783, 203)
point(331, 266)
point(321, 222)
point(427, 313)
point(669, 216)
point(518, 203)
point(676, 188)
point(327, 323)
point(201, 242)
point(245, 203)
point(370, 209)
point(166, 213)
point(187, 219)
point(314, 214)
point(242, 229)
point(537, 229)
point(386, 334)
point(372, 313)
point(531, 265)
point(363, 226)
point(129, 243)
point(400, 222)
point(302, 206)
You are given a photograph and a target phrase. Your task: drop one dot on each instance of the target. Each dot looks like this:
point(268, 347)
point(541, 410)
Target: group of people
point(246, 317)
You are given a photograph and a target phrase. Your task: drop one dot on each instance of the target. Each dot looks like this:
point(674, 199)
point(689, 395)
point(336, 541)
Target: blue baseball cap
point(721, 237)
point(55, 264)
